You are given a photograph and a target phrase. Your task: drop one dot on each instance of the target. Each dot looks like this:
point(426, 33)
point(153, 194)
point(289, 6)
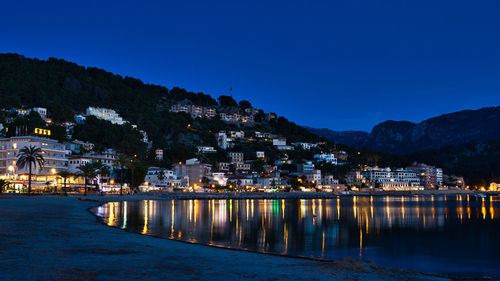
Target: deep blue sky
point(345, 65)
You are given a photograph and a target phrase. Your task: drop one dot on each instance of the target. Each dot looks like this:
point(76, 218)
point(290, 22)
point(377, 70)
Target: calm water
point(457, 234)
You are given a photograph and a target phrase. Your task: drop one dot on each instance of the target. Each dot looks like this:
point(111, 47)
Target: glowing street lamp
point(12, 170)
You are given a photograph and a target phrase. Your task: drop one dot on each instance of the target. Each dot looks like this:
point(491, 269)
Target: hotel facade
point(55, 155)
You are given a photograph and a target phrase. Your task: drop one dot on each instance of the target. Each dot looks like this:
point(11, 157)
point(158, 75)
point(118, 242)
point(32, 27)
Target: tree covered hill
point(66, 88)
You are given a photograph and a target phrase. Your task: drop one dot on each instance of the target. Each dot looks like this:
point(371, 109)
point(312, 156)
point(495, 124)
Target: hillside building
point(105, 114)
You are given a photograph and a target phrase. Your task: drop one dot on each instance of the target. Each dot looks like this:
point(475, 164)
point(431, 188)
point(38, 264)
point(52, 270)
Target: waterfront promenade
point(56, 238)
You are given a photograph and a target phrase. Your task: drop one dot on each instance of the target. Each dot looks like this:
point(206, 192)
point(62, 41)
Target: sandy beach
point(56, 238)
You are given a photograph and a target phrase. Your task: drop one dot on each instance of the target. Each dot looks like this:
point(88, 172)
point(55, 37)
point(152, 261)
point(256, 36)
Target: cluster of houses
point(66, 156)
point(235, 172)
point(233, 115)
point(238, 173)
point(195, 111)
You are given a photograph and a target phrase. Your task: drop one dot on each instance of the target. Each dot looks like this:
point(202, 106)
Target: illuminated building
point(399, 179)
point(430, 176)
point(105, 114)
point(194, 171)
point(54, 153)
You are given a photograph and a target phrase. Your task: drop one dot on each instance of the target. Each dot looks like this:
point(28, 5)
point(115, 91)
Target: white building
point(108, 157)
point(326, 157)
point(77, 161)
point(41, 111)
point(241, 183)
point(206, 149)
point(223, 141)
point(223, 166)
point(220, 178)
point(236, 157)
point(313, 177)
point(306, 145)
point(329, 180)
point(195, 111)
point(269, 182)
point(237, 134)
point(279, 142)
point(209, 112)
point(55, 155)
point(242, 167)
point(105, 114)
point(230, 117)
point(260, 154)
point(80, 119)
point(159, 177)
point(399, 179)
point(159, 154)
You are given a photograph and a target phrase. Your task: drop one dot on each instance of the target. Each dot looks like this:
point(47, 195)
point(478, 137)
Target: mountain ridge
point(405, 137)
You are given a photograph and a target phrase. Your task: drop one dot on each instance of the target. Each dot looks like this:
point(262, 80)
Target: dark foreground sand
point(56, 238)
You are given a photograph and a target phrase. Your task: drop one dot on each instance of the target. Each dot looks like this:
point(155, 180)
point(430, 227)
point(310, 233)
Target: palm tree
point(64, 174)
point(4, 184)
point(87, 171)
point(123, 161)
point(30, 156)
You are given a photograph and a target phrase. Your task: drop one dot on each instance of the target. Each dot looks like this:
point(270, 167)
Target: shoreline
point(248, 195)
point(300, 195)
point(59, 233)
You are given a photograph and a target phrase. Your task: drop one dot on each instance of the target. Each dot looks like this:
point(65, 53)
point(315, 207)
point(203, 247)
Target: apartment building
point(307, 167)
point(399, 179)
point(430, 176)
point(326, 157)
point(306, 145)
point(236, 157)
point(194, 171)
point(156, 176)
point(223, 166)
point(230, 117)
point(54, 153)
point(223, 141)
point(105, 114)
point(159, 154)
point(195, 111)
point(206, 149)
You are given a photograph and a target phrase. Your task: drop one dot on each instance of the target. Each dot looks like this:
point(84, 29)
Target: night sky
point(344, 65)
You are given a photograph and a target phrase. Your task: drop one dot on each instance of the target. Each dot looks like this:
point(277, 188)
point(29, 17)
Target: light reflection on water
point(432, 233)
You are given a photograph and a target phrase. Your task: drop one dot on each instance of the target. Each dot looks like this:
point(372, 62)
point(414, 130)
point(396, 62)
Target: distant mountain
point(353, 138)
point(404, 137)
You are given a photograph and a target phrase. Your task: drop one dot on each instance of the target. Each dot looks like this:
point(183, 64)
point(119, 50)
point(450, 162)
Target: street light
point(11, 169)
